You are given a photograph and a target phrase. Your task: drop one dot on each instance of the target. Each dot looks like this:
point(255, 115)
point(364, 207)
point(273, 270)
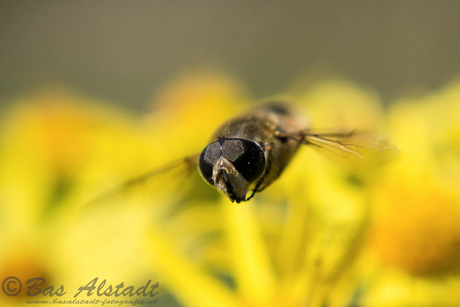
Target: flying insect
point(249, 152)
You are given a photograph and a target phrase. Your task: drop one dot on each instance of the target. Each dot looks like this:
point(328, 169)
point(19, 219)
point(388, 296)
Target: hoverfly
point(249, 152)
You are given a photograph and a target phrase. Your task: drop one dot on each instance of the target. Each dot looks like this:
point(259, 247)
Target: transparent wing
point(363, 147)
point(154, 181)
point(185, 165)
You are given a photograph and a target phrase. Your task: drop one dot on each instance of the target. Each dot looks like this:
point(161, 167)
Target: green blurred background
point(125, 50)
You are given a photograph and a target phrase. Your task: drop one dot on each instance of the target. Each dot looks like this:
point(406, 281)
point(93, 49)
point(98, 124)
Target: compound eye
point(246, 156)
point(208, 159)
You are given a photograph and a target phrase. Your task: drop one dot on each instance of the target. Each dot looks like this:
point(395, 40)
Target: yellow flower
point(298, 243)
point(416, 234)
point(293, 244)
point(50, 145)
point(420, 232)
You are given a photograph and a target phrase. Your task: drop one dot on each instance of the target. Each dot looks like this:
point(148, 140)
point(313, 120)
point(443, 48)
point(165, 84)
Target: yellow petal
point(189, 284)
point(252, 267)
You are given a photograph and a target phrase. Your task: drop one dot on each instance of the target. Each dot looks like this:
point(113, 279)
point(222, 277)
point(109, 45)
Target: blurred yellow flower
point(289, 246)
point(50, 144)
point(322, 234)
point(416, 234)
